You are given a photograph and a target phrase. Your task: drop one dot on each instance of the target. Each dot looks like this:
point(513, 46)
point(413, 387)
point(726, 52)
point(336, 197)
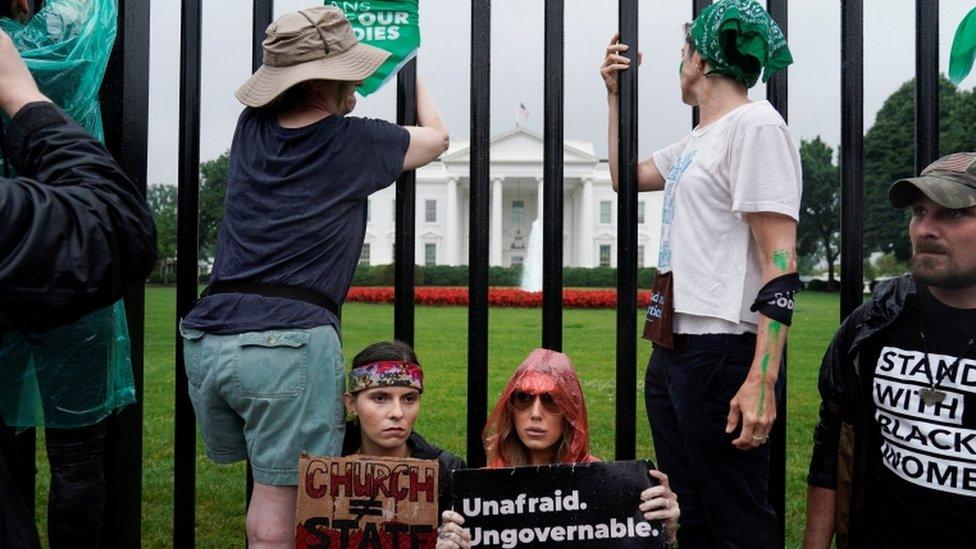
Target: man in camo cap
point(949, 182)
point(897, 433)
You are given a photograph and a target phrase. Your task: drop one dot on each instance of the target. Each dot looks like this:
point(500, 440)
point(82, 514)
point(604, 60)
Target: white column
point(541, 188)
point(586, 223)
point(495, 257)
point(452, 231)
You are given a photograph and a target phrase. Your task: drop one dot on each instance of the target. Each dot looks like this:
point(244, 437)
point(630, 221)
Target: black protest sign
point(580, 505)
point(366, 503)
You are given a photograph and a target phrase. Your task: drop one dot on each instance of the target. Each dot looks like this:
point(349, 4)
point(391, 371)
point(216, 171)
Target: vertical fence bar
point(626, 410)
point(406, 215)
point(926, 83)
point(479, 230)
point(262, 15)
point(851, 154)
point(187, 235)
point(125, 97)
point(778, 95)
point(696, 7)
point(552, 243)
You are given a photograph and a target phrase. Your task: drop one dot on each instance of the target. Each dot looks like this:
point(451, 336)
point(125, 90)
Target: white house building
point(444, 201)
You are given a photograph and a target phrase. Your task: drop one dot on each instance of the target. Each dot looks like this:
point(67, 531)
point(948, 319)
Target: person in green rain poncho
point(71, 378)
point(723, 294)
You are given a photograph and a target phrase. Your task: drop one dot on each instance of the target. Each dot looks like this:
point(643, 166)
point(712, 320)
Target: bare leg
point(271, 517)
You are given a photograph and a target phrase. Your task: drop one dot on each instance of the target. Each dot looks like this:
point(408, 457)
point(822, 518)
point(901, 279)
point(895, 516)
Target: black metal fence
point(125, 101)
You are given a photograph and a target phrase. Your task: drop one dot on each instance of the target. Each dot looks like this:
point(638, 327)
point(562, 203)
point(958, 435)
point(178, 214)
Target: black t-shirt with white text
point(922, 481)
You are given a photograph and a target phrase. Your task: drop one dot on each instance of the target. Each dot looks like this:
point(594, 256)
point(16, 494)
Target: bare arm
point(430, 137)
point(755, 403)
point(648, 176)
point(821, 505)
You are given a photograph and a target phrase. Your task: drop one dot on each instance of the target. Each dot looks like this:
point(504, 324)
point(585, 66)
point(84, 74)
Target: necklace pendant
point(931, 396)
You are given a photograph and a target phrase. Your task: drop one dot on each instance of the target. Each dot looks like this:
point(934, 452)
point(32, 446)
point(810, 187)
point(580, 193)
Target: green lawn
point(441, 342)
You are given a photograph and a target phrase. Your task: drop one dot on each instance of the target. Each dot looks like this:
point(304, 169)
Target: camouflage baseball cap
point(949, 182)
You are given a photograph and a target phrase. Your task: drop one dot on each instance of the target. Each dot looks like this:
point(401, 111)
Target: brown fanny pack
point(659, 323)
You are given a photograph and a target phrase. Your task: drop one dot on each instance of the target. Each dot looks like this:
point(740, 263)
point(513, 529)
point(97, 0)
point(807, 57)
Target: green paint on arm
point(781, 259)
point(762, 385)
point(774, 328)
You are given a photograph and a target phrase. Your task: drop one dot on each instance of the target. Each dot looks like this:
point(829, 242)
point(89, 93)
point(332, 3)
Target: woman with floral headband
point(383, 396)
point(540, 418)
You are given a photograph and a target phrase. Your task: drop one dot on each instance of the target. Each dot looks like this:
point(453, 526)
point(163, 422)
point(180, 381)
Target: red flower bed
point(497, 297)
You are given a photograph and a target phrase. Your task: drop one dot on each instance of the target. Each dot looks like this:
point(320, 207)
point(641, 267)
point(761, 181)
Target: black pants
point(723, 490)
point(76, 502)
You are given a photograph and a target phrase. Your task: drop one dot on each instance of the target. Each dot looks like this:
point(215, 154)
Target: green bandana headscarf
point(739, 39)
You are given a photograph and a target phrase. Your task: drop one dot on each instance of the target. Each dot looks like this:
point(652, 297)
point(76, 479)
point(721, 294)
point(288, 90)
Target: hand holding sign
point(660, 503)
point(451, 535)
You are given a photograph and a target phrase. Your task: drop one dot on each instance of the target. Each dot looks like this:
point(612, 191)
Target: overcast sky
point(517, 66)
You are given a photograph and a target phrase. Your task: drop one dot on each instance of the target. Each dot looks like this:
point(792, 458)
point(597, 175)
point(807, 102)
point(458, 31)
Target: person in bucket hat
point(723, 292)
point(309, 45)
point(262, 347)
point(895, 436)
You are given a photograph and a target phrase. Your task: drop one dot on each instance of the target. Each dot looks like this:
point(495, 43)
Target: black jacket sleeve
point(837, 389)
point(75, 232)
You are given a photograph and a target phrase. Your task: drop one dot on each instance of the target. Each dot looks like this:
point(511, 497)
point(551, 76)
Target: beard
point(943, 273)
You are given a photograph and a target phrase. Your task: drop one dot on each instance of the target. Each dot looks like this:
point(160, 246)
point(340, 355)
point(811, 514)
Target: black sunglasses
point(522, 400)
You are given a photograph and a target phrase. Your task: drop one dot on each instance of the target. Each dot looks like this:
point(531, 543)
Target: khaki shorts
point(267, 396)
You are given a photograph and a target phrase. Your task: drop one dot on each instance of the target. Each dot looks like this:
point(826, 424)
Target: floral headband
point(389, 373)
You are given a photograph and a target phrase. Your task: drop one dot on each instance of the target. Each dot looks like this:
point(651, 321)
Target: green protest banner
point(389, 24)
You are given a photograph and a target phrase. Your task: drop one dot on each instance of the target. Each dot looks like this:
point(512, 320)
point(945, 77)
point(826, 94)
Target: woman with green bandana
point(723, 295)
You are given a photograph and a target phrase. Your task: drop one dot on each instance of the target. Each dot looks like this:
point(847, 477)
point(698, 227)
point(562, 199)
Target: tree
point(819, 227)
point(162, 205)
point(889, 155)
point(213, 189)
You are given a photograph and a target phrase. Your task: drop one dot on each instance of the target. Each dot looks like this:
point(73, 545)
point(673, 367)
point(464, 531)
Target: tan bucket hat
point(311, 44)
point(949, 182)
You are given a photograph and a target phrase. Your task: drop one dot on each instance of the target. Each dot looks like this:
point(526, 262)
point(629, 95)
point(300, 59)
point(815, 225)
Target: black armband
point(775, 299)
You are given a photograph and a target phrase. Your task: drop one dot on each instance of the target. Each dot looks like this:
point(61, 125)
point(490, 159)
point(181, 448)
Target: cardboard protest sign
point(366, 502)
point(393, 25)
point(582, 505)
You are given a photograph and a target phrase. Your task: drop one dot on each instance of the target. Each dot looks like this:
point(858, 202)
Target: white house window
point(605, 212)
point(430, 254)
point(430, 211)
point(369, 210)
point(393, 209)
point(640, 253)
point(364, 255)
point(518, 212)
point(640, 212)
point(604, 255)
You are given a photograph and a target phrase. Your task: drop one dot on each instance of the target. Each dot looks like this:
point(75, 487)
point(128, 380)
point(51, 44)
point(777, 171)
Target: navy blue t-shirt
point(295, 214)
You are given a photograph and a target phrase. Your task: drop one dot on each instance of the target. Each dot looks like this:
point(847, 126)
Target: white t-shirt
point(744, 162)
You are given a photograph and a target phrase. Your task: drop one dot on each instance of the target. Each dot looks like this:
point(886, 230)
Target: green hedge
point(443, 275)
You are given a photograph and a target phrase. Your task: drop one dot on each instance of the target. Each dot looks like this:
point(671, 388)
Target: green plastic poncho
point(77, 374)
point(739, 39)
